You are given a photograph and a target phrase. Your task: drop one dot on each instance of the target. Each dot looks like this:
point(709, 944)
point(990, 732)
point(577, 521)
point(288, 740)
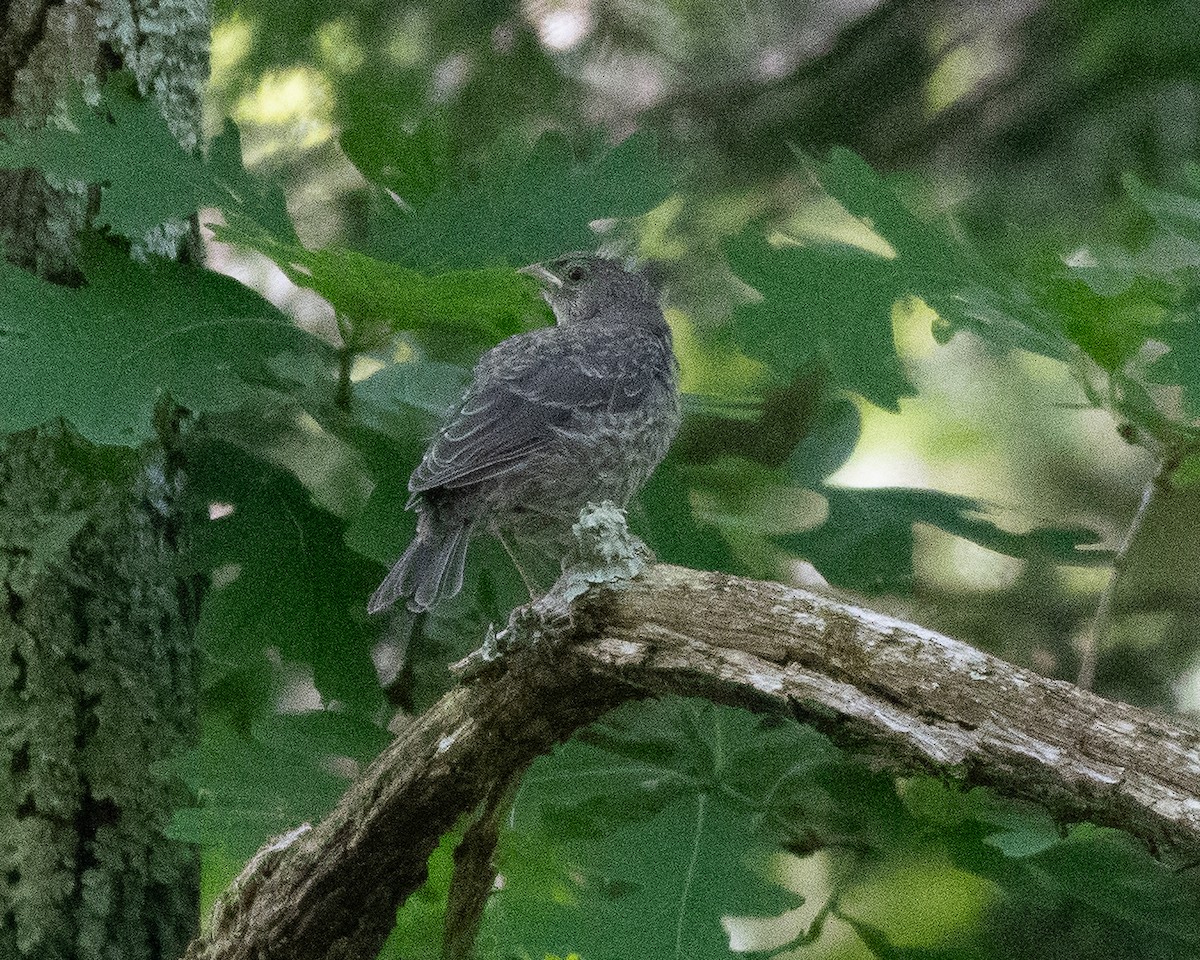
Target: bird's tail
point(430, 570)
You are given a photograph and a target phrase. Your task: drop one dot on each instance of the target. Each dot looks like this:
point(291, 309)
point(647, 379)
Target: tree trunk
point(97, 660)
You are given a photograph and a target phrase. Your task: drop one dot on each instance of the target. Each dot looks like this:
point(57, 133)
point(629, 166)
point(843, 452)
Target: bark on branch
point(910, 697)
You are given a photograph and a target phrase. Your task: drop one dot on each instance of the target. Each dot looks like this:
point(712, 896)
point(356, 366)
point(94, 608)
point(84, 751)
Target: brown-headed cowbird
point(554, 419)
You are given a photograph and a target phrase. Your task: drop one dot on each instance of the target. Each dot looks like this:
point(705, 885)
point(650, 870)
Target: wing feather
point(526, 391)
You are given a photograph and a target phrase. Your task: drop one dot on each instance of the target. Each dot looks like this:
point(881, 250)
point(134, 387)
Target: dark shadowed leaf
point(288, 581)
point(866, 544)
point(198, 336)
point(828, 444)
point(526, 205)
point(830, 306)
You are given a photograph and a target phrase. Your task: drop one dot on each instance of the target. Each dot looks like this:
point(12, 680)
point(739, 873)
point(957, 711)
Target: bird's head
point(586, 287)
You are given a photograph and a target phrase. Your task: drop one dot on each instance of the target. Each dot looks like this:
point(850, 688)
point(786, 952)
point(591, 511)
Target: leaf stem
point(1089, 640)
point(346, 354)
point(701, 806)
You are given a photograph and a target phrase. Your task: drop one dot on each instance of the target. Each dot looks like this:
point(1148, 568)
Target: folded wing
point(524, 395)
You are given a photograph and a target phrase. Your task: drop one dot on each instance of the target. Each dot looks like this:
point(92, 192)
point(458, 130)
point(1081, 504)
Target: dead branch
point(910, 698)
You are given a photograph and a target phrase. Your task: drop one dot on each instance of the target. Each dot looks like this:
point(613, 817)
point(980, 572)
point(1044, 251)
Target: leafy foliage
point(1182, 364)
point(523, 207)
point(646, 780)
point(285, 599)
point(289, 584)
point(657, 823)
point(867, 542)
point(371, 293)
point(297, 474)
point(924, 261)
point(196, 336)
point(1092, 875)
point(267, 781)
point(831, 306)
point(158, 182)
point(147, 178)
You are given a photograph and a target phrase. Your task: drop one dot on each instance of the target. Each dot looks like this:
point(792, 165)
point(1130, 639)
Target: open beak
point(541, 275)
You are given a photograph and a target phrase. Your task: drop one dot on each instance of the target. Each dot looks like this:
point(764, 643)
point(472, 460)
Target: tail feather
point(430, 570)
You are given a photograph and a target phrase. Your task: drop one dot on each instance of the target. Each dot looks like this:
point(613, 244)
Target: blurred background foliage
point(932, 271)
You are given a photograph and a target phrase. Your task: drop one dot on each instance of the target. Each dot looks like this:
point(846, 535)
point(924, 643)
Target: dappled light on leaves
point(400, 163)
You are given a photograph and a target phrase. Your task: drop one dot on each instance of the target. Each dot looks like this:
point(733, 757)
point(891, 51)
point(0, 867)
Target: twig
point(1088, 641)
point(475, 873)
point(345, 354)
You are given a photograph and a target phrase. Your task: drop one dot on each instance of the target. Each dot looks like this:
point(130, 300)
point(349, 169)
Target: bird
point(553, 419)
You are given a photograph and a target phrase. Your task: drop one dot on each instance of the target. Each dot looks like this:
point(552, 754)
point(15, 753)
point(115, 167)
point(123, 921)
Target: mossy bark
point(97, 658)
point(97, 684)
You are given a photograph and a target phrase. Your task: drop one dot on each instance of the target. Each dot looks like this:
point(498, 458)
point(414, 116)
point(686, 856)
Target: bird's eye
point(575, 274)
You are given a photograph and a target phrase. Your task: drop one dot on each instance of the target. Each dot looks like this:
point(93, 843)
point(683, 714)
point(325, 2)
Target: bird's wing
point(519, 402)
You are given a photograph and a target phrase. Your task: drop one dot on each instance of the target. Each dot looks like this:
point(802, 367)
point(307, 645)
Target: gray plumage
point(553, 419)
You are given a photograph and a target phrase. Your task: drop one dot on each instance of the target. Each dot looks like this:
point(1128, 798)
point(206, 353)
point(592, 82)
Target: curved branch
point(912, 698)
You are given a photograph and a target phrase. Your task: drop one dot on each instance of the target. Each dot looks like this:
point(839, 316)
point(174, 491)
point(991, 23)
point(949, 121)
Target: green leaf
point(247, 199)
point(414, 165)
point(1187, 474)
point(1025, 841)
point(287, 580)
point(1026, 829)
point(384, 526)
point(923, 261)
point(1180, 366)
point(921, 249)
point(828, 306)
point(102, 355)
point(524, 205)
point(323, 734)
point(1111, 327)
point(663, 516)
point(1113, 875)
point(127, 147)
point(252, 787)
point(1176, 212)
point(663, 818)
point(286, 597)
point(375, 293)
point(417, 384)
point(934, 802)
point(867, 541)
